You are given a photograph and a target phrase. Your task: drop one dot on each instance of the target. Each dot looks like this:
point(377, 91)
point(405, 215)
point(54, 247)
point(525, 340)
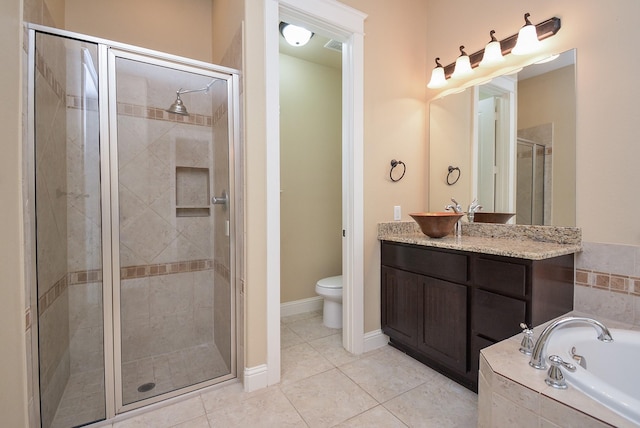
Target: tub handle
point(526, 346)
point(555, 378)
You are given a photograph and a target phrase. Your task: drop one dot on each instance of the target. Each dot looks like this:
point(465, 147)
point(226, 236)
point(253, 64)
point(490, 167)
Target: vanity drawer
point(437, 263)
point(496, 317)
point(501, 276)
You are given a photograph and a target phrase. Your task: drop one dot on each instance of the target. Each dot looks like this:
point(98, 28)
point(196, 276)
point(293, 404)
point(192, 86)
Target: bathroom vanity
point(442, 300)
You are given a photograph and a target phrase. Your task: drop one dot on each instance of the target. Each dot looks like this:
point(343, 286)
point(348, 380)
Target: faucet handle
point(555, 378)
point(526, 345)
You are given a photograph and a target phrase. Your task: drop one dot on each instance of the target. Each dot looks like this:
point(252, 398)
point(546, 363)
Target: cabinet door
point(399, 301)
point(442, 328)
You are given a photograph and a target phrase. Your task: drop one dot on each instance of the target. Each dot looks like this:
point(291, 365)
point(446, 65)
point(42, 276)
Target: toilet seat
point(331, 282)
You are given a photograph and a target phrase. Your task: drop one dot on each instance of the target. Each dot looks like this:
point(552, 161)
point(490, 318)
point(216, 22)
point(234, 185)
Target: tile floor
point(324, 386)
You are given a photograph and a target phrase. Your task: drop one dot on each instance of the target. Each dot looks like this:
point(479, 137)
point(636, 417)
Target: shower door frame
point(113, 54)
point(107, 52)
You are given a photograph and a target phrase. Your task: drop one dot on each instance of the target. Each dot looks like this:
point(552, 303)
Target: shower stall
point(532, 186)
point(132, 225)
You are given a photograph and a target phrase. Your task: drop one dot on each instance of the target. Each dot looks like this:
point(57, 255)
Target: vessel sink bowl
point(486, 217)
point(437, 224)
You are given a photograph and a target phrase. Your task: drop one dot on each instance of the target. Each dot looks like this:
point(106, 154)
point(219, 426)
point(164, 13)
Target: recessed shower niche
point(192, 192)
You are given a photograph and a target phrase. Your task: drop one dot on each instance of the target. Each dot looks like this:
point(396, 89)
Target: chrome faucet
point(457, 208)
point(537, 355)
point(473, 208)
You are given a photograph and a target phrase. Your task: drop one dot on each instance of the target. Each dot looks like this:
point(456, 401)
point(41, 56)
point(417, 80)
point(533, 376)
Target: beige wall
point(227, 17)
point(177, 27)
point(451, 121)
point(13, 388)
point(255, 185)
point(395, 119)
point(310, 176)
point(551, 98)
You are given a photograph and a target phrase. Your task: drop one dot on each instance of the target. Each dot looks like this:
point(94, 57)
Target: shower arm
point(188, 91)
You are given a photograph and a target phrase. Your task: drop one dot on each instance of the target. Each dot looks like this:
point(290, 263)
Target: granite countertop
point(525, 242)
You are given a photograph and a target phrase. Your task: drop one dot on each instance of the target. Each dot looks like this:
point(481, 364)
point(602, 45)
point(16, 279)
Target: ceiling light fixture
point(295, 35)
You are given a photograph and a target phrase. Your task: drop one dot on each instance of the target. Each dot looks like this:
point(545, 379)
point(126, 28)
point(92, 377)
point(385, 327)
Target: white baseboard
point(255, 378)
point(374, 340)
point(301, 306)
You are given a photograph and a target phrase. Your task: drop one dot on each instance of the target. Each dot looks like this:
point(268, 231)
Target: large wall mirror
point(513, 140)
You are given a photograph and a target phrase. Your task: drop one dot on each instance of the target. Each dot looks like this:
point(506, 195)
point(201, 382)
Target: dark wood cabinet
point(400, 300)
point(442, 306)
point(442, 321)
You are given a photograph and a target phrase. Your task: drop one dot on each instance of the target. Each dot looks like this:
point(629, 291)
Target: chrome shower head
point(178, 106)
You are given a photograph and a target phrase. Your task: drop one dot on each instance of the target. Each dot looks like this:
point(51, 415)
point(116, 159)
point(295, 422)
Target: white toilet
point(331, 289)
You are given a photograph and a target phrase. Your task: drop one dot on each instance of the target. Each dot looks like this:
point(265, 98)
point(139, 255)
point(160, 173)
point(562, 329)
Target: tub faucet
point(457, 208)
point(473, 208)
point(537, 355)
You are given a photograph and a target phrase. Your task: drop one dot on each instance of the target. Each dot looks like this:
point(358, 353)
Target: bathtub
point(612, 376)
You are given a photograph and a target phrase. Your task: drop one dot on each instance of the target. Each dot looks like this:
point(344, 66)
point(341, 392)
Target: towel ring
point(395, 163)
point(451, 171)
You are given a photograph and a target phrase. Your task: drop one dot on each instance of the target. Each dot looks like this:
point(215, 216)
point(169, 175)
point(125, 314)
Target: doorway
point(346, 25)
point(310, 170)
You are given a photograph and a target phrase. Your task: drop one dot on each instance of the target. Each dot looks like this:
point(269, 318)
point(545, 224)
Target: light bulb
point(492, 52)
point(463, 65)
point(527, 39)
point(438, 79)
point(296, 36)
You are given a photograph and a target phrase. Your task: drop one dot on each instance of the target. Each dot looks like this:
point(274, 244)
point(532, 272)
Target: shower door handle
point(221, 200)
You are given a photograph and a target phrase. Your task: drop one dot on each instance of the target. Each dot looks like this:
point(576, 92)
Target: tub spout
point(537, 355)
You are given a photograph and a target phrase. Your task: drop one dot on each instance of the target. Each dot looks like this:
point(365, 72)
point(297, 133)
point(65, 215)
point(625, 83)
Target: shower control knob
point(221, 200)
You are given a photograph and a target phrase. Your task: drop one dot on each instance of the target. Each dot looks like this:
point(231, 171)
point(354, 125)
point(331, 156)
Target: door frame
point(346, 25)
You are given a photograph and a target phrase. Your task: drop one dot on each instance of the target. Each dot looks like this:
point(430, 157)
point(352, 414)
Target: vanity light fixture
point(543, 30)
point(295, 35)
point(437, 76)
point(527, 38)
point(492, 52)
point(463, 65)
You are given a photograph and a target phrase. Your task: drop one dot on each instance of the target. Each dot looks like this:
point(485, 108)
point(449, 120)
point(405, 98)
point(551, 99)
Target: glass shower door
point(68, 231)
point(172, 222)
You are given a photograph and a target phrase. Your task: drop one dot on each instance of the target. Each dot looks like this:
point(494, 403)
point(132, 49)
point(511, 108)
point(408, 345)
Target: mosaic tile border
point(47, 74)
point(141, 271)
point(623, 284)
point(153, 113)
point(128, 272)
point(47, 299)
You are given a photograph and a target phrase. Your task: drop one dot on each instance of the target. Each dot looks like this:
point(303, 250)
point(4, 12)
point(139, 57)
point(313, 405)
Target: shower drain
point(145, 387)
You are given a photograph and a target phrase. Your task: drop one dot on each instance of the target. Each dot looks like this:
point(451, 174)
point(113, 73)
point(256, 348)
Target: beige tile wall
point(608, 281)
point(503, 402)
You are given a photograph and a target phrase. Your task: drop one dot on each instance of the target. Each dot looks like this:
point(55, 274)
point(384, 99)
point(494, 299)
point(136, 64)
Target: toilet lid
point(331, 282)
